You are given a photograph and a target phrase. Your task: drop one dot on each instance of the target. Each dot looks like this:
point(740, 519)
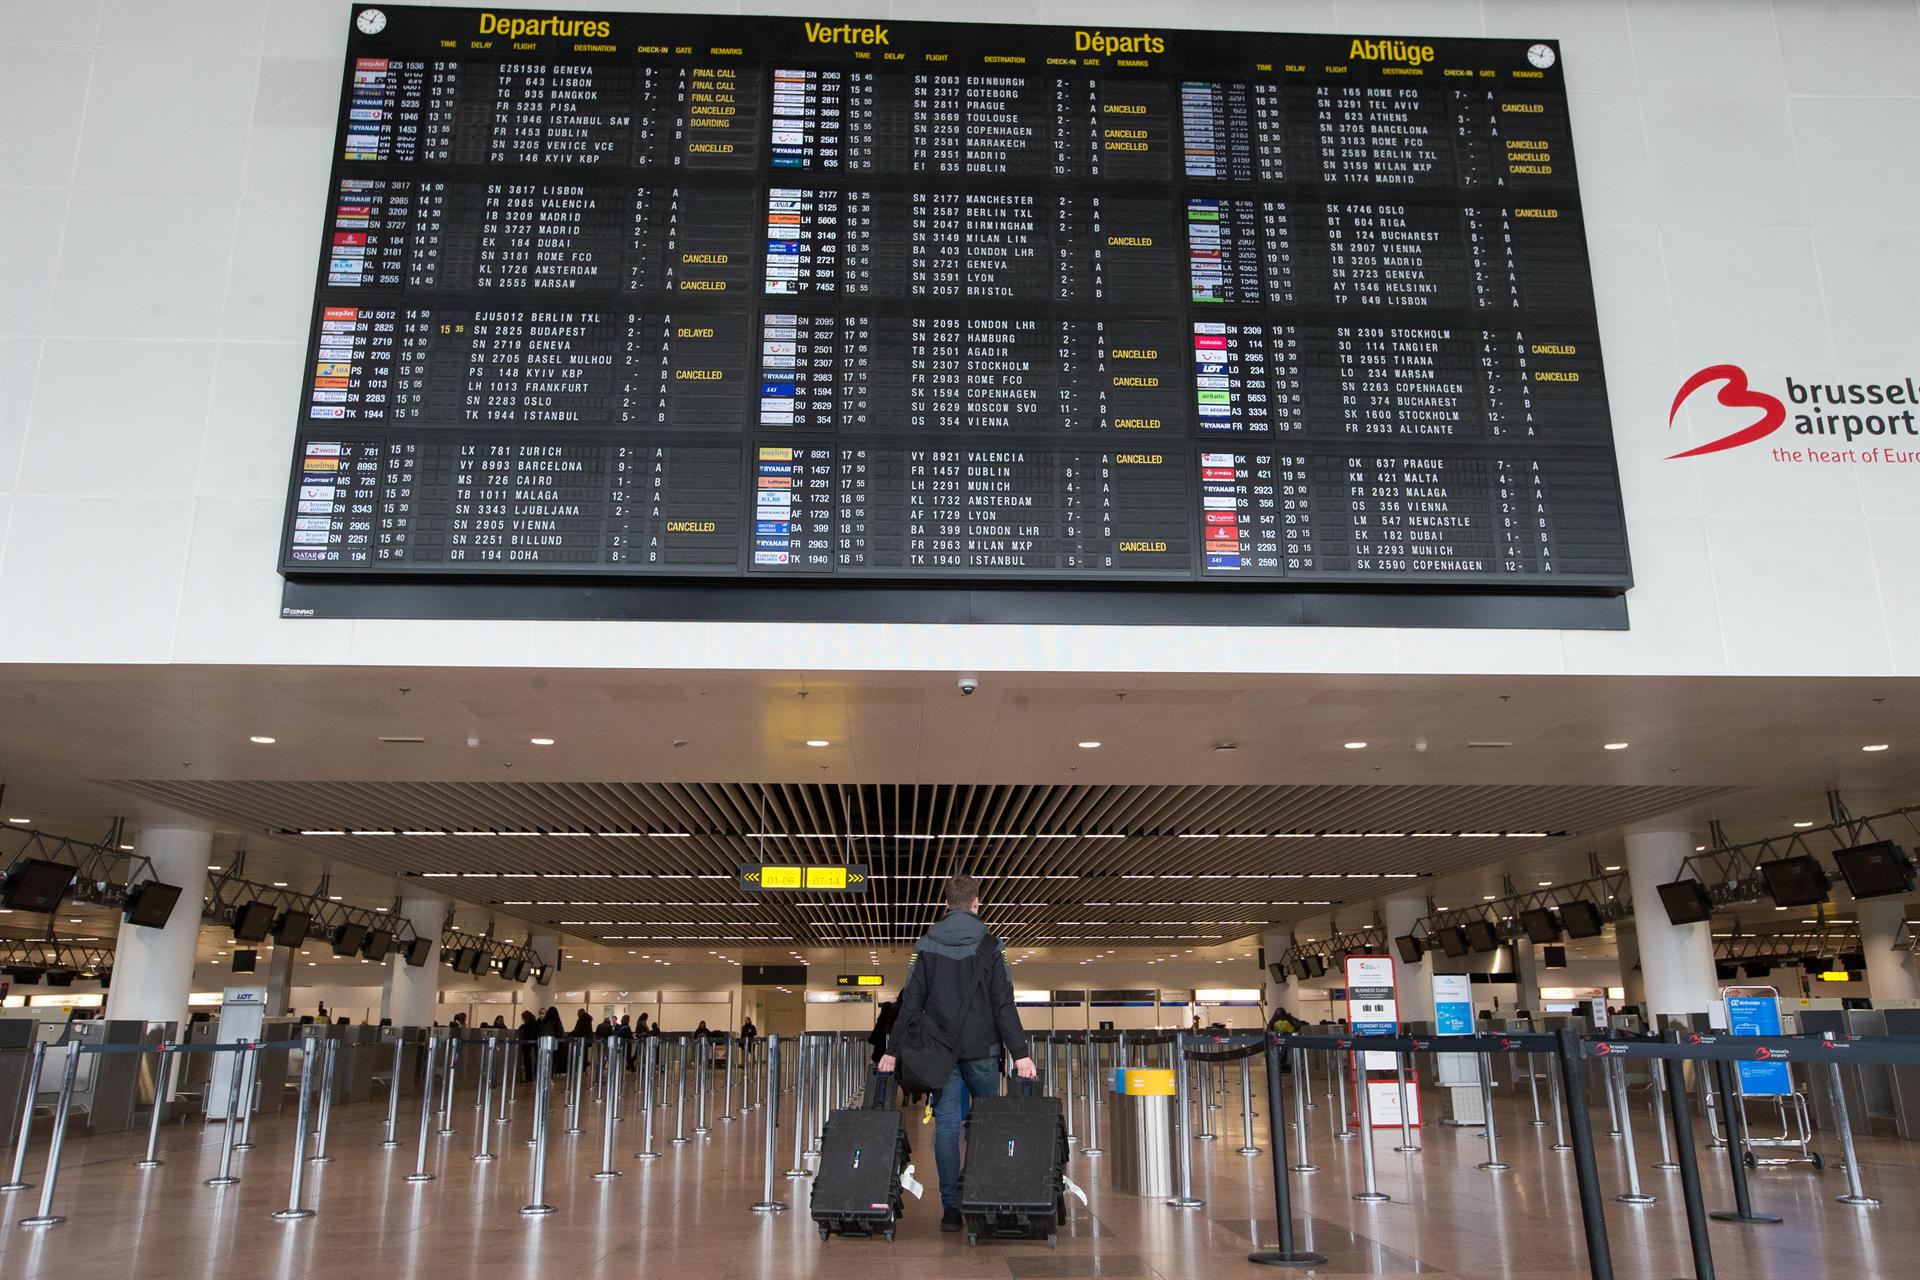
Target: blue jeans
point(972, 1077)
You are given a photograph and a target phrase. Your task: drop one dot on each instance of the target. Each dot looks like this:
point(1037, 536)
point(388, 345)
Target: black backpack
point(924, 1056)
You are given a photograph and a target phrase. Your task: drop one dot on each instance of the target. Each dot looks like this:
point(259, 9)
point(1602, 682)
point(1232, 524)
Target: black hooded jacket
point(948, 959)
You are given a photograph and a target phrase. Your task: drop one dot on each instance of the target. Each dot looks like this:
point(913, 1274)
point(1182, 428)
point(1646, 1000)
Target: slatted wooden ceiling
point(1150, 866)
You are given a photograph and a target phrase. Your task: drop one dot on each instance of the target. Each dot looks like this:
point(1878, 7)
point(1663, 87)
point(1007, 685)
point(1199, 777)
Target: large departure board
point(649, 297)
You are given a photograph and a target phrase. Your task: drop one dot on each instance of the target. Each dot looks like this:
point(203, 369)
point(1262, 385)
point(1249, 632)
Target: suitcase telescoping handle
point(880, 1091)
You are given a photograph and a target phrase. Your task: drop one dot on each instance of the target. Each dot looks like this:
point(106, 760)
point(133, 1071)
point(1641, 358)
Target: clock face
point(1541, 55)
point(373, 22)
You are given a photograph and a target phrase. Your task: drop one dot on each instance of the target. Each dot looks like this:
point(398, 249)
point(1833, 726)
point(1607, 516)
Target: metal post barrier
point(509, 1079)
point(543, 1088)
point(295, 1210)
point(488, 1052)
point(1303, 1083)
point(1742, 1210)
point(1337, 1078)
point(1206, 1133)
point(680, 1096)
point(1066, 1054)
point(1618, 1083)
point(1559, 1112)
point(320, 1155)
point(1855, 1196)
point(822, 1084)
point(1246, 1108)
point(1186, 1199)
point(1659, 1074)
point(225, 1177)
point(46, 1217)
point(392, 1139)
point(420, 1173)
point(608, 1114)
point(766, 1203)
point(802, 1061)
point(1613, 1105)
point(452, 1072)
point(16, 1182)
point(1593, 1214)
point(1046, 1068)
point(1493, 1162)
point(1363, 1103)
point(1704, 1077)
point(1300, 1085)
point(702, 1066)
point(161, 1066)
point(1533, 1090)
point(1286, 1255)
point(1093, 1101)
point(1673, 1072)
point(726, 1103)
point(648, 1053)
point(250, 1090)
point(576, 1082)
point(1407, 1145)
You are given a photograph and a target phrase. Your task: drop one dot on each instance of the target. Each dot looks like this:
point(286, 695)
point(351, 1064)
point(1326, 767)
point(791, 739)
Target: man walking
point(959, 977)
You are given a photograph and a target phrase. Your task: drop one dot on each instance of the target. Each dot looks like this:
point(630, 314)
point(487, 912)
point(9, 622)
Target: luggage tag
point(1074, 1190)
point(910, 1183)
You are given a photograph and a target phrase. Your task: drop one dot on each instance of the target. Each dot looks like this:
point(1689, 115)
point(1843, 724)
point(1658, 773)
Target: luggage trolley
point(1755, 1011)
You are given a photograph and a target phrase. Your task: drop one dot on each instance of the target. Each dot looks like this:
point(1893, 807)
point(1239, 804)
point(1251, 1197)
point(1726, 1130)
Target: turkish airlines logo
point(1734, 393)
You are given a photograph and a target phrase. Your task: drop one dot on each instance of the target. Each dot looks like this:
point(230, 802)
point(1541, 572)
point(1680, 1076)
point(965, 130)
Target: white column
point(1274, 943)
point(546, 946)
point(1526, 976)
point(153, 968)
point(411, 996)
point(1890, 973)
point(1413, 981)
point(1676, 960)
point(1626, 945)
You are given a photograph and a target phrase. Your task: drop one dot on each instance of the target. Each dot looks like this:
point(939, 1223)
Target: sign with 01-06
point(767, 877)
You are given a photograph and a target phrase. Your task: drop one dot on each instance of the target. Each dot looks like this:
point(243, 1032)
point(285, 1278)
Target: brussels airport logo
point(1830, 422)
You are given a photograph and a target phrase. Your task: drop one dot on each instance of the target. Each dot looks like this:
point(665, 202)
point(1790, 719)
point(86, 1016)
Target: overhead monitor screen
point(710, 301)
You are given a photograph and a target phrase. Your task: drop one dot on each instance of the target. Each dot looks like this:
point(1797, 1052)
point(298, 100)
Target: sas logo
point(1833, 422)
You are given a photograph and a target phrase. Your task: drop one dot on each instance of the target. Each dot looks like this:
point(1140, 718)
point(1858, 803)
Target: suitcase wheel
point(889, 1234)
point(1053, 1241)
point(826, 1233)
point(973, 1238)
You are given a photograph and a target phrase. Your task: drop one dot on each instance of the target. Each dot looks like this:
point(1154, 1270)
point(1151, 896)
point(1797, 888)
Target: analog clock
point(1541, 55)
point(372, 22)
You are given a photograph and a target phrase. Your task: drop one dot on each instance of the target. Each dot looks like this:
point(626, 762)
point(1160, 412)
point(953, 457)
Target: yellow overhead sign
point(763, 876)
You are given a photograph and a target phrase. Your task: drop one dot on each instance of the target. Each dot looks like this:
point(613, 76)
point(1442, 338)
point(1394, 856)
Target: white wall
point(1750, 195)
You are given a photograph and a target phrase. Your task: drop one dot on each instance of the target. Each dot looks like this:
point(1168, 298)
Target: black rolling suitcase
point(856, 1191)
point(1013, 1185)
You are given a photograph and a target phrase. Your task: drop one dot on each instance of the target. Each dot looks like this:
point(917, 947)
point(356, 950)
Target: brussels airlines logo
point(1819, 412)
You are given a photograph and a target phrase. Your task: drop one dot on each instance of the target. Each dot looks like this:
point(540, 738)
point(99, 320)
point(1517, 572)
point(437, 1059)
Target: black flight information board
point(626, 298)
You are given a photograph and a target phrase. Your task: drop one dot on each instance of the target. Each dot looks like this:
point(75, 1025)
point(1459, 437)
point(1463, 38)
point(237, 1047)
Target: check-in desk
point(1905, 1077)
point(16, 1060)
point(1869, 1087)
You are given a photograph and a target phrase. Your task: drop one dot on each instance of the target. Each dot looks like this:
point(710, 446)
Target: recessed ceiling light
point(1617, 746)
point(1612, 866)
point(263, 739)
point(1355, 746)
point(1486, 897)
point(818, 742)
point(20, 822)
point(1803, 825)
point(541, 742)
point(1545, 883)
point(279, 884)
point(1088, 746)
point(1878, 746)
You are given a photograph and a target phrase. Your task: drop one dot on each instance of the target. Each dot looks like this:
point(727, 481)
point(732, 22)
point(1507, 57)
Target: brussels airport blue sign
point(1452, 1004)
point(1759, 1016)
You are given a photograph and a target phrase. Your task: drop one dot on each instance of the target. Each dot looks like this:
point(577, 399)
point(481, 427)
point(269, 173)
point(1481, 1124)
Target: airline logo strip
point(365, 109)
point(779, 379)
point(1220, 509)
point(320, 485)
point(352, 218)
point(786, 208)
point(335, 363)
point(773, 506)
point(1205, 270)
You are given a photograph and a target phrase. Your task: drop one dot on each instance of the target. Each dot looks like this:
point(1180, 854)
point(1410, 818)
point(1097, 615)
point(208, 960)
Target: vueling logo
point(845, 33)
point(1390, 51)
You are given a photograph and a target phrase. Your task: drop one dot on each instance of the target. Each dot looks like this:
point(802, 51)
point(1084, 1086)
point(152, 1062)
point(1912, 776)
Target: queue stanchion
point(1856, 1195)
point(46, 1217)
point(451, 1074)
point(801, 1063)
point(1093, 1104)
point(648, 1053)
point(1559, 1113)
point(320, 1155)
point(1246, 1108)
point(295, 1210)
point(680, 1096)
point(1286, 1255)
point(702, 1067)
point(576, 1082)
point(726, 1102)
point(768, 1076)
point(392, 1139)
point(1337, 1077)
point(1533, 1090)
point(1659, 1074)
point(485, 1137)
point(17, 1181)
point(1572, 1068)
point(608, 1114)
point(1679, 1108)
point(225, 1177)
point(249, 1092)
point(537, 1206)
point(1493, 1163)
point(1300, 1085)
point(1186, 1199)
point(1618, 1082)
point(1613, 1105)
point(510, 1052)
point(1742, 1210)
point(1370, 1192)
point(1205, 1072)
point(1066, 1060)
point(161, 1066)
point(1407, 1145)
point(619, 1076)
point(420, 1172)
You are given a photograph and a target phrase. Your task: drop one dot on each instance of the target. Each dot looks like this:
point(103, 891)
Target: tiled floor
point(688, 1212)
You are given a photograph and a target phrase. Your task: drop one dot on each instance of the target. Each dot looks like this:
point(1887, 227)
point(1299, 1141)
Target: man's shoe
point(950, 1220)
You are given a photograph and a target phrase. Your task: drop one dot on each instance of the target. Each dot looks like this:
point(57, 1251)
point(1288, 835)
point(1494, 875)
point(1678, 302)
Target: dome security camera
point(968, 685)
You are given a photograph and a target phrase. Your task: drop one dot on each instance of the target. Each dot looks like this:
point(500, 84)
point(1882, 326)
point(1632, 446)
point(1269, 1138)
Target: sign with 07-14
point(768, 877)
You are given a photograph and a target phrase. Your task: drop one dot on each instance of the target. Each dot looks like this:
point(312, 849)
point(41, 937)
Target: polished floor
point(686, 1213)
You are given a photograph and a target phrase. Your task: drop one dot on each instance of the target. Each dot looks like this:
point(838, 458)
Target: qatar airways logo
point(1831, 422)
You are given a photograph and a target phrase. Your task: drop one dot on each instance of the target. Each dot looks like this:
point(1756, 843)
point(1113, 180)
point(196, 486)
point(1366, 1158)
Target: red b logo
point(1736, 394)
